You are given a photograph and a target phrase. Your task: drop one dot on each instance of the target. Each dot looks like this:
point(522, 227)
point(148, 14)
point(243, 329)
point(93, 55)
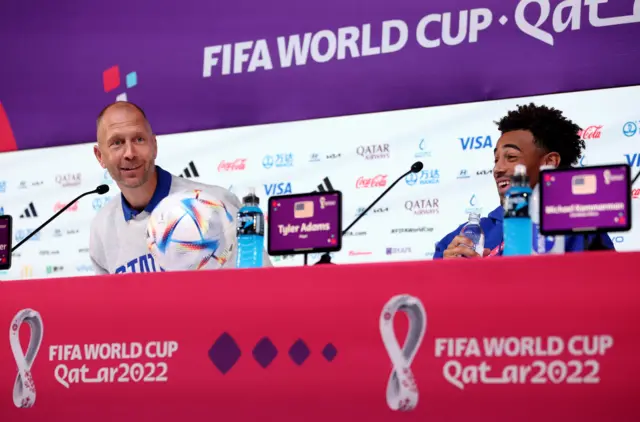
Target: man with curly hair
point(531, 135)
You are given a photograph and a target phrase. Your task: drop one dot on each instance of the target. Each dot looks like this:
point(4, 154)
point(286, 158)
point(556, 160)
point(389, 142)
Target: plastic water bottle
point(517, 222)
point(542, 244)
point(473, 231)
point(250, 232)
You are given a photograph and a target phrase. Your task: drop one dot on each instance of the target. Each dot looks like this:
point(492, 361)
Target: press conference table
point(508, 339)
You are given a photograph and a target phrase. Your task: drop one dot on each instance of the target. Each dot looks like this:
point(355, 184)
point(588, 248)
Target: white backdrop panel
point(297, 156)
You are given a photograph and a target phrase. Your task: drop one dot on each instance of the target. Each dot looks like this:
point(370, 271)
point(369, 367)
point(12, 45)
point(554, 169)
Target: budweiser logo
point(238, 164)
point(372, 182)
point(358, 253)
point(592, 132)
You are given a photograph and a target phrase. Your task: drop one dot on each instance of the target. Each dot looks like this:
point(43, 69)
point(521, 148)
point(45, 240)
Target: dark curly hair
point(551, 131)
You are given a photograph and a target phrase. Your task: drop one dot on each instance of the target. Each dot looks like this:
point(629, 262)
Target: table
point(550, 338)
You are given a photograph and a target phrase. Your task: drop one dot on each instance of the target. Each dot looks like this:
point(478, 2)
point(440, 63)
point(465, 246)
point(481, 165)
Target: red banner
point(536, 339)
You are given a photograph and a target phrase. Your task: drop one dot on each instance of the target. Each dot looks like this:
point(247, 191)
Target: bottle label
point(517, 205)
point(250, 222)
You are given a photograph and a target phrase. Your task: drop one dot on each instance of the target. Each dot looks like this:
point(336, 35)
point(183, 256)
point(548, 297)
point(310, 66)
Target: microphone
point(100, 190)
point(415, 168)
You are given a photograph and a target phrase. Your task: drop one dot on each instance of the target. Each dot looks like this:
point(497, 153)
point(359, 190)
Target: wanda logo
point(591, 132)
point(59, 205)
point(237, 165)
point(378, 181)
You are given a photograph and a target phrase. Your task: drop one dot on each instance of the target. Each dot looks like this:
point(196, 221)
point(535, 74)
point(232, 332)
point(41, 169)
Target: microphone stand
point(415, 168)
point(102, 189)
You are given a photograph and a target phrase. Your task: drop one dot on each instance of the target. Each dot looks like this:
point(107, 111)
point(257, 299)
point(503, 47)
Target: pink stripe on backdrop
point(7, 141)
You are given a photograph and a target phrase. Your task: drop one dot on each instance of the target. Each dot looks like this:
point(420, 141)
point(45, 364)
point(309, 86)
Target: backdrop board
point(360, 155)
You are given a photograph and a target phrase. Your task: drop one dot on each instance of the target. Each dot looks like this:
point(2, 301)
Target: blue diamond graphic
point(299, 352)
point(329, 352)
point(265, 352)
point(224, 353)
point(132, 79)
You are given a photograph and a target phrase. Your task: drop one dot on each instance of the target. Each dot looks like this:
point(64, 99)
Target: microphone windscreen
point(102, 189)
point(417, 167)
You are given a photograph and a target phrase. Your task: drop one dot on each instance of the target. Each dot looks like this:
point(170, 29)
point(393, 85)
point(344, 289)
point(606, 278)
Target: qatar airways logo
point(238, 164)
point(69, 179)
point(373, 152)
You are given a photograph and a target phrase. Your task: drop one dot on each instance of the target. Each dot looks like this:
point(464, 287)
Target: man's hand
point(462, 247)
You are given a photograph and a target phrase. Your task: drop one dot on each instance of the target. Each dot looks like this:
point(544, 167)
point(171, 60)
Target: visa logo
point(277, 189)
point(478, 142)
point(633, 159)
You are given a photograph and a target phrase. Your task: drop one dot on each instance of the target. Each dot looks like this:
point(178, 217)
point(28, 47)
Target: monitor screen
point(304, 223)
point(5, 242)
point(586, 199)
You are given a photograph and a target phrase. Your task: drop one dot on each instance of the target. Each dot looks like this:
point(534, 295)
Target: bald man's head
point(120, 104)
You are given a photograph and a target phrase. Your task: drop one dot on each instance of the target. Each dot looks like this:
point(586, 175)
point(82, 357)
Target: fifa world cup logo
point(24, 390)
point(402, 391)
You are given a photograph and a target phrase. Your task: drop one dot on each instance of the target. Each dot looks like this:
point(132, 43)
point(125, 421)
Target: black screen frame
point(9, 221)
point(336, 248)
point(590, 230)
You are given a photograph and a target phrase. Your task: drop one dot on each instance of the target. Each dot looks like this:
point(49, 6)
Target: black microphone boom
point(415, 168)
point(101, 190)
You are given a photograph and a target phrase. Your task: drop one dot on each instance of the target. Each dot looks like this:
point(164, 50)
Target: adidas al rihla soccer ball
point(191, 230)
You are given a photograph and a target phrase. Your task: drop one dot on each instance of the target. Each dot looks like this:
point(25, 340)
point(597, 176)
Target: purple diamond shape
point(224, 353)
point(329, 352)
point(265, 352)
point(299, 352)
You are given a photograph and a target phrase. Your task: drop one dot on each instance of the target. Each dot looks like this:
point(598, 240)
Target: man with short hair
point(127, 148)
point(534, 136)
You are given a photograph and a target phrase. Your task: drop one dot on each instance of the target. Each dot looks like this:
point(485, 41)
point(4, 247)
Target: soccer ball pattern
point(191, 231)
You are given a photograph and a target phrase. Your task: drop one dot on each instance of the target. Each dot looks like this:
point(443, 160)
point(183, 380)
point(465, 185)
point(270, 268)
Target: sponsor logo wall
point(359, 155)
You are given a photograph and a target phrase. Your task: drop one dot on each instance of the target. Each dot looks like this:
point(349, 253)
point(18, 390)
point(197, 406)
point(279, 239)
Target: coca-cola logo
point(373, 152)
point(635, 193)
point(59, 205)
point(591, 132)
point(378, 181)
point(237, 165)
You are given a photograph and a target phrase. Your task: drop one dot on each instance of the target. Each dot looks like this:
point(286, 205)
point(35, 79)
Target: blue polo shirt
point(492, 227)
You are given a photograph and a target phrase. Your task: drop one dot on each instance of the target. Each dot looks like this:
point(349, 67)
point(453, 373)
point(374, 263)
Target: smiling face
point(519, 147)
point(126, 146)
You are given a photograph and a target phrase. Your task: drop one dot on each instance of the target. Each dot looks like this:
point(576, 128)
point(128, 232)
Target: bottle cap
point(520, 170)
point(251, 198)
